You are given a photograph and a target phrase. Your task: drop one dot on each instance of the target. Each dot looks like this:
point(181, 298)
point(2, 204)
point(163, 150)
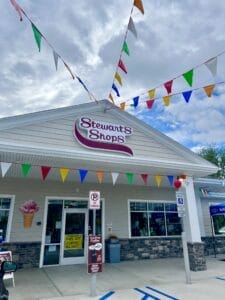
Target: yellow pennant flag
point(158, 179)
point(100, 175)
point(118, 78)
point(64, 173)
point(166, 100)
point(122, 106)
point(151, 94)
point(139, 5)
point(209, 89)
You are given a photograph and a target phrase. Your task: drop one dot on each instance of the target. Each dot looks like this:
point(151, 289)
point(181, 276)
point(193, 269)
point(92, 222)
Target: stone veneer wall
point(196, 254)
point(25, 254)
point(218, 242)
point(145, 248)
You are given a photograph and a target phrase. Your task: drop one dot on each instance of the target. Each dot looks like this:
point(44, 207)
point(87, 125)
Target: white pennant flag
point(56, 57)
point(114, 177)
point(131, 27)
point(211, 64)
point(5, 167)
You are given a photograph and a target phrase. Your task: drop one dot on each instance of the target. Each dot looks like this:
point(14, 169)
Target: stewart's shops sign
point(102, 135)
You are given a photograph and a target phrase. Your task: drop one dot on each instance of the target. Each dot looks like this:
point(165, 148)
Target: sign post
point(94, 244)
point(181, 214)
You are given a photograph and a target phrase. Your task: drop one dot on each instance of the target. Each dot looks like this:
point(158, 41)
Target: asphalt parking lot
point(145, 279)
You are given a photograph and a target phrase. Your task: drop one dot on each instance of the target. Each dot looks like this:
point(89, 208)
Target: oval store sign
point(102, 135)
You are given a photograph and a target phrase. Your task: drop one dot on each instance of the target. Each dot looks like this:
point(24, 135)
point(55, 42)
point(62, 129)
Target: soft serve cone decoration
point(28, 209)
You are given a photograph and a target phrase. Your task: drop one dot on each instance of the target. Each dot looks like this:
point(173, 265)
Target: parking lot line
point(161, 293)
point(106, 296)
point(220, 278)
point(146, 295)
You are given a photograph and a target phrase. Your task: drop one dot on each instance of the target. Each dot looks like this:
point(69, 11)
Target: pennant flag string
point(38, 37)
point(64, 172)
point(125, 49)
point(208, 89)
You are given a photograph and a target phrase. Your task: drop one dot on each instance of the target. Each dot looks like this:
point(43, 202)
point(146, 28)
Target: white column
point(191, 222)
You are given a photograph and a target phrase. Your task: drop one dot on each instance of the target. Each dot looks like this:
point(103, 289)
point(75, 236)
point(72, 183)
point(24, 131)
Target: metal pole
point(186, 258)
point(93, 291)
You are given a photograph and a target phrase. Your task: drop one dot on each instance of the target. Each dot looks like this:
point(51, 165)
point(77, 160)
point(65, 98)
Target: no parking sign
point(94, 200)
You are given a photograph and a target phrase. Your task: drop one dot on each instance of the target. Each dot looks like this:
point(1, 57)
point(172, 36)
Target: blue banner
point(218, 209)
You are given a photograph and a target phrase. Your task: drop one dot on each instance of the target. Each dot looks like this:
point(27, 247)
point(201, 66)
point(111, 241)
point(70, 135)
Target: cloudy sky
point(173, 37)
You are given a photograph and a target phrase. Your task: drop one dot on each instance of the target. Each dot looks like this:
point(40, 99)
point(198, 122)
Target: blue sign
point(218, 209)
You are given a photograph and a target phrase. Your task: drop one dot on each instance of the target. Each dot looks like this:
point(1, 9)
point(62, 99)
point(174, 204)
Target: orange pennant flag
point(68, 68)
point(158, 179)
point(166, 100)
point(151, 94)
point(64, 173)
point(209, 89)
point(118, 78)
point(139, 5)
point(122, 106)
point(111, 98)
point(100, 175)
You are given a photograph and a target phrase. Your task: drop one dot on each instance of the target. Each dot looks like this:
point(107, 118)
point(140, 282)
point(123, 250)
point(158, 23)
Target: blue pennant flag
point(78, 78)
point(187, 95)
point(116, 90)
point(135, 100)
point(83, 174)
point(170, 178)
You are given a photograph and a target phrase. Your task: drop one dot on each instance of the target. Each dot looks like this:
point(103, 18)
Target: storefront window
point(5, 204)
point(154, 219)
point(219, 224)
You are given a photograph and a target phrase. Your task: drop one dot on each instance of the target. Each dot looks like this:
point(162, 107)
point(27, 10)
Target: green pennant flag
point(125, 48)
point(37, 36)
point(188, 76)
point(130, 177)
point(25, 169)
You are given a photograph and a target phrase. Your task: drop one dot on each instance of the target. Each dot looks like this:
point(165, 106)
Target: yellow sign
point(73, 241)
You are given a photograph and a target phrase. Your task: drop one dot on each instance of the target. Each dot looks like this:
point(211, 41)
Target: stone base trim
point(196, 256)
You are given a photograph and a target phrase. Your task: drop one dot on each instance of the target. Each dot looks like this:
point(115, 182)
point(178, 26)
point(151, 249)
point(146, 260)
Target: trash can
point(113, 251)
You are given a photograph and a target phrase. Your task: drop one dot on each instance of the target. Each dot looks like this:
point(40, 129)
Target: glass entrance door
point(74, 239)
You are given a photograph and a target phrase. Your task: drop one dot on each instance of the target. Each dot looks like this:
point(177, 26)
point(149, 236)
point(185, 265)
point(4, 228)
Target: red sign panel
point(94, 254)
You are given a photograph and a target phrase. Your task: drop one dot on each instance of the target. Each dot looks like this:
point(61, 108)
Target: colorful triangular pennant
point(150, 103)
point(125, 48)
point(151, 94)
point(187, 95)
point(209, 89)
point(168, 86)
point(122, 106)
point(111, 98)
point(158, 179)
point(135, 101)
point(130, 177)
point(17, 8)
point(166, 100)
point(114, 177)
point(211, 64)
point(69, 70)
point(116, 90)
point(144, 178)
point(56, 58)
point(64, 173)
point(131, 27)
point(5, 167)
point(118, 78)
point(139, 5)
point(25, 168)
point(83, 174)
point(44, 171)
point(170, 179)
point(122, 66)
point(99, 175)
point(37, 36)
point(188, 76)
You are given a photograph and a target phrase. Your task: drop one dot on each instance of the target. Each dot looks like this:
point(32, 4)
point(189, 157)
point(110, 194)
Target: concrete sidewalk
point(167, 276)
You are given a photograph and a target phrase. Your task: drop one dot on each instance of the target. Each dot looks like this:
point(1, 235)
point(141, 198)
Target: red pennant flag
point(122, 66)
point(17, 8)
point(139, 5)
point(150, 103)
point(168, 86)
point(44, 171)
point(145, 178)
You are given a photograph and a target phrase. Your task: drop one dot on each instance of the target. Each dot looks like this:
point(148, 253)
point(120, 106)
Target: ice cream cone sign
point(28, 209)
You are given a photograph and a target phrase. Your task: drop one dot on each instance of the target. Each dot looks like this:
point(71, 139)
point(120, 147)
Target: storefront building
point(50, 162)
